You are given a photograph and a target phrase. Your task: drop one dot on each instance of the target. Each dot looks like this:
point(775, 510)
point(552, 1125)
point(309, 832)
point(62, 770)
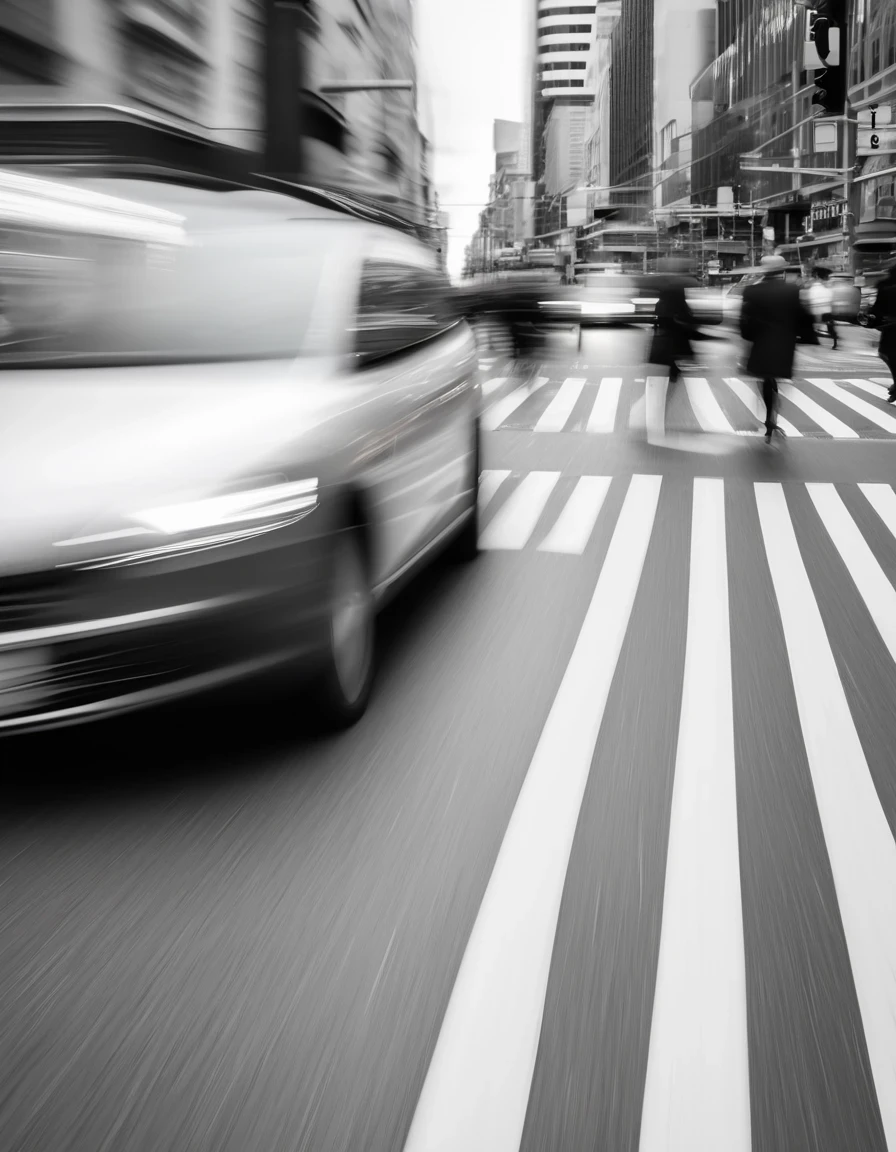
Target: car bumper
point(169, 643)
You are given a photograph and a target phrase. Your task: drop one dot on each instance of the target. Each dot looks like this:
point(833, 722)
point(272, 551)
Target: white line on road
point(560, 408)
point(603, 414)
point(495, 416)
point(492, 386)
point(571, 533)
point(706, 407)
point(489, 483)
point(882, 380)
point(860, 845)
point(477, 1088)
point(868, 386)
point(870, 579)
point(821, 416)
point(753, 401)
point(856, 403)
point(697, 1069)
point(882, 499)
point(515, 520)
point(655, 390)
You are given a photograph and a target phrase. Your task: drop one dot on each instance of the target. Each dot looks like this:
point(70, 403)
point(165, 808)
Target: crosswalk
point(736, 1032)
point(818, 407)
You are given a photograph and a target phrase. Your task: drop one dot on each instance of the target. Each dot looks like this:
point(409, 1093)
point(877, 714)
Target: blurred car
point(234, 424)
point(614, 298)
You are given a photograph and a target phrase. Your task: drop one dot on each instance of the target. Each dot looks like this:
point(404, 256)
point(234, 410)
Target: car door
point(420, 361)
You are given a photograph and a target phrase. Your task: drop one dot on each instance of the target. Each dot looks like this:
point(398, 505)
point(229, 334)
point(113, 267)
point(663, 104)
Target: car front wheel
point(346, 677)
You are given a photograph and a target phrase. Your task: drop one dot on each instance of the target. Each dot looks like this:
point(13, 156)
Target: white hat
point(772, 263)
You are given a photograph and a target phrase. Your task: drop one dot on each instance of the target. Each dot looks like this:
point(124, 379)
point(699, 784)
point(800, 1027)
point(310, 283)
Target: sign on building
point(870, 141)
point(827, 216)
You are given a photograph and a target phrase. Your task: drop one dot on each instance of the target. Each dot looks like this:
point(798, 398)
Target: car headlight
point(197, 525)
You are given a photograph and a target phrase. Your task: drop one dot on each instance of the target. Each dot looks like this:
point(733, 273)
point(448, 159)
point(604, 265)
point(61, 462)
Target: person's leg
point(770, 396)
point(891, 395)
point(832, 329)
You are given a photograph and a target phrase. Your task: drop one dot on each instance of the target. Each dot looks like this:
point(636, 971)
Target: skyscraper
point(561, 95)
point(631, 102)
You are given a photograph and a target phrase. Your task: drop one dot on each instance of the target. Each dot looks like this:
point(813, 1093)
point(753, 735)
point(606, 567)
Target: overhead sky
point(472, 68)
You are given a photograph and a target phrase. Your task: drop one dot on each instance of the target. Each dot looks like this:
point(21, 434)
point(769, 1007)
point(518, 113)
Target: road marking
point(882, 499)
point(571, 533)
point(515, 520)
point(477, 1087)
point(882, 380)
point(495, 416)
point(753, 402)
point(489, 483)
point(697, 1082)
point(560, 408)
point(491, 386)
point(706, 407)
point(655, 390)
point(603, 414)
point(869, 386)
point(860, 845)
point(856, 403)
point(868, 576)
point(821, 416)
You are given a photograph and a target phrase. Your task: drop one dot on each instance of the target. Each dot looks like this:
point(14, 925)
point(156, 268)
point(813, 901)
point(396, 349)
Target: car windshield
point(242, 293)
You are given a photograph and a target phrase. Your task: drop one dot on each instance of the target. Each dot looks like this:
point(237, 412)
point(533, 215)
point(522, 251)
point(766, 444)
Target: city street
point(609, 863)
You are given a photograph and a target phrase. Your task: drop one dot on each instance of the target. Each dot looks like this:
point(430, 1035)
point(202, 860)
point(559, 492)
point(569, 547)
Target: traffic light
point(824, 53)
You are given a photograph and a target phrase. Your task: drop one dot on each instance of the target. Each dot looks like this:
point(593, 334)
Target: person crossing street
point(773, 318)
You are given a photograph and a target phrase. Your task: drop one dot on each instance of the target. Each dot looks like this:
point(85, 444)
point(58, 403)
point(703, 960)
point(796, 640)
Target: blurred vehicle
point(706, 304)
point(234, 423)
point(615, 298)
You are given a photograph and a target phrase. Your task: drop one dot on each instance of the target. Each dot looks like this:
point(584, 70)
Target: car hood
point(79, 446)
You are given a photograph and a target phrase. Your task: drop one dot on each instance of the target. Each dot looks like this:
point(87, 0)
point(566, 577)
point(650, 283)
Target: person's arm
point(747, 319)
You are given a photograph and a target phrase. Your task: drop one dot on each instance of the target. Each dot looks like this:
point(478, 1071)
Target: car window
point(399, 305)
point(251, 292)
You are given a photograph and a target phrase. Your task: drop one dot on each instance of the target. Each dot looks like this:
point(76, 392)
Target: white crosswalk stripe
point(574, 526)
point(560, 408)
point(824, 419)
point(603, 413)
point(753, 403)
point(881, 419)
point(515, 520)
point(860, 844)
point(651, 408)
point(503, 409)
point(699, 1058)
point(706, 407)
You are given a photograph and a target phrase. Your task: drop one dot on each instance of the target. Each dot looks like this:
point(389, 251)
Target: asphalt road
point(609, 864)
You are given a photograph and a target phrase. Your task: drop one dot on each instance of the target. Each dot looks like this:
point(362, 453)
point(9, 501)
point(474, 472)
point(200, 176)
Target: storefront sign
point(875, 117)
point(827, 216)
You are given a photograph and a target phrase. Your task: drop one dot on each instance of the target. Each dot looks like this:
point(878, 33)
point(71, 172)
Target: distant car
point(233, 426)
point(614, 298)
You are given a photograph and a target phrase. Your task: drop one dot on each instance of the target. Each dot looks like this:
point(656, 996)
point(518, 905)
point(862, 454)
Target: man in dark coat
point(771, 320)
point(883, 316)
point(675, 323)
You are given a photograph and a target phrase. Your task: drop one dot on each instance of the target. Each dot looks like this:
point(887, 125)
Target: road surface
point(609, 864)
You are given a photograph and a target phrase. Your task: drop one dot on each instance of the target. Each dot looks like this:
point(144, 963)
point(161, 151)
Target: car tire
point(345, 678)
point(465, 547)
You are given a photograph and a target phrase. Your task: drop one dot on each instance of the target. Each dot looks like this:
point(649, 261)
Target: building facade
point(872, 81)
point(248, 74)
point(631, 107)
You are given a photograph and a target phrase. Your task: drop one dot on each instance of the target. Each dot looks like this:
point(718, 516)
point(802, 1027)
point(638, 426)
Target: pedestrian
point(772, 319)
point(821, 303)
point(883, 316)
point(674, 323)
